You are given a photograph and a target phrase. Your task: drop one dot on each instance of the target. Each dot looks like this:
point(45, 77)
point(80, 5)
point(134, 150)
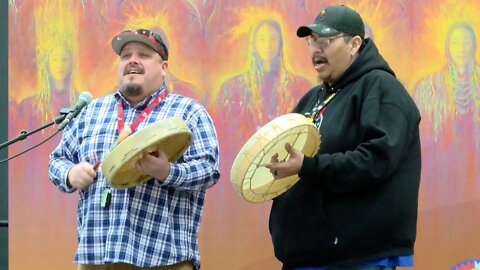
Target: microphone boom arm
point(24, 134)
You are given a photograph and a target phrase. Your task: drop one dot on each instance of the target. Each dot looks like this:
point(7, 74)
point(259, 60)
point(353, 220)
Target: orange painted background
point(243, 61)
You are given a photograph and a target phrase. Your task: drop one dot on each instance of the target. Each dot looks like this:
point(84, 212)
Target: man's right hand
point(81, 175)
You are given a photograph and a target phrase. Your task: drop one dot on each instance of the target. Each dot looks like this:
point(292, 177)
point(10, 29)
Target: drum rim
point(239, 185)
point(110, 170)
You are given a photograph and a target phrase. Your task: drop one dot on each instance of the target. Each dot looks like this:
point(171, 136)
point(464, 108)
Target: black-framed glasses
point(156, 39)
point(321, 42)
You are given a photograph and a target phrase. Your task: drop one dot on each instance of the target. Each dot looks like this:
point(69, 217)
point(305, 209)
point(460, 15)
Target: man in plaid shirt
point(153, 224)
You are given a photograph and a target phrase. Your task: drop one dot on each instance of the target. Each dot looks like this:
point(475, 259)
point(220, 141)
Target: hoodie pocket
point(298, 224)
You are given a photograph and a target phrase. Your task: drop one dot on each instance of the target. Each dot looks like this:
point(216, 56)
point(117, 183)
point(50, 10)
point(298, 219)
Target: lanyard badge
point(106, 198)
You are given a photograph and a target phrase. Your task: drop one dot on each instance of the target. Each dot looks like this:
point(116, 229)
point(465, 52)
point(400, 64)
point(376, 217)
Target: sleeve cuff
point(174, 175)
point(66, 187)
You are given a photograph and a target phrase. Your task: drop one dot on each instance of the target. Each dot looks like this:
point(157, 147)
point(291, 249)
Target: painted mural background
point(243, 61)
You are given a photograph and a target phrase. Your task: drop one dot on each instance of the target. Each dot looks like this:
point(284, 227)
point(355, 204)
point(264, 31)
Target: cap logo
point(323, 13)
point(326, 30)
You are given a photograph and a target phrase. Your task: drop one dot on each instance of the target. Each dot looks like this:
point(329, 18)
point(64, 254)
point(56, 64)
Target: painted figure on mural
point(56, 89)
point(54, 65)
point(265, 90)
point(449, 100)
point(58, 82)
point(57, 85)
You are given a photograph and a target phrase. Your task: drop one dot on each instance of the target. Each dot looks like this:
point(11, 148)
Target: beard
point(131, 90)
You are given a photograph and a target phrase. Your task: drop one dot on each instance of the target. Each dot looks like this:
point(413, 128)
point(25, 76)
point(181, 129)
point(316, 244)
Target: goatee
point(131, 90)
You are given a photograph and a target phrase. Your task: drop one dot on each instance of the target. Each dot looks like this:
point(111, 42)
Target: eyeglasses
point(321, 42)
point(155, 38)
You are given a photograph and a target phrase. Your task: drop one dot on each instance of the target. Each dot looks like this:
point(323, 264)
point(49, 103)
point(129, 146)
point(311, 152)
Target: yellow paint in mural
point(377, 17)
point(143, 18)
point(461, 46)
point(438, 20)
point(59, 64)
point(449, 70)
point(265, 87)
point(265, 43)
point(57, 55)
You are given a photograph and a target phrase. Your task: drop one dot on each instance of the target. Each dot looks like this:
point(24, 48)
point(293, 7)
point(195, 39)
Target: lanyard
point(319, 108)
point(125, 132)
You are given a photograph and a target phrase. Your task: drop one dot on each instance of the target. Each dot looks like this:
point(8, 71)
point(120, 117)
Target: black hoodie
point(356, 200)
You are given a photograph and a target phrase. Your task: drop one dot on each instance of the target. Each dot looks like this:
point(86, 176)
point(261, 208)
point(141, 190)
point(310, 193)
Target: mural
point(265, 89)
point(243, 61)
point(54, 58)
point(57, 66)
point(450, 105)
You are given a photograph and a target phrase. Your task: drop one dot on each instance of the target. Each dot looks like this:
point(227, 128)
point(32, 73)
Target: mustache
point(133, 67)
point(318, 58)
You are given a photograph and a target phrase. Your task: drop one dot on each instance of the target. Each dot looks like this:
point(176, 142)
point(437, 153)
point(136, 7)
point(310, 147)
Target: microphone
point(83, 99)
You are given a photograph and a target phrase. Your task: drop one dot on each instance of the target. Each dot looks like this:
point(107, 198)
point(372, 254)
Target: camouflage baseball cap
point(145, 36)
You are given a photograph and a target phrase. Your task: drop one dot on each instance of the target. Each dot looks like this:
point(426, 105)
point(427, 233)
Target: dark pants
point(361, 267)
point(124, 266)
point(358, 267)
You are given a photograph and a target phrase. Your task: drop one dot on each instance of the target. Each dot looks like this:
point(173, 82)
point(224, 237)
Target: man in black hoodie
point(355, 205)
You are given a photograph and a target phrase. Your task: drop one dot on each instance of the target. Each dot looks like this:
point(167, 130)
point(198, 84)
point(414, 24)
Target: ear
point(356, 43)
point(164, 67)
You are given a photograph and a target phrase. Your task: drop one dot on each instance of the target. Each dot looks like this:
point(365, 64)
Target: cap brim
point(120, 40)
point(319, 29)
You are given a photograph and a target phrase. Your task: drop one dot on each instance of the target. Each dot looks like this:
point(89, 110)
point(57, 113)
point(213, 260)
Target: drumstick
point(96, 165)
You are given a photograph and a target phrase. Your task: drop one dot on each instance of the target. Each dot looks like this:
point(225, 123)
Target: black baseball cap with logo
point(335, 20)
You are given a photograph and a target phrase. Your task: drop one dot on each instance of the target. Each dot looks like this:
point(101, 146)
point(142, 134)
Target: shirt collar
point(119, 97)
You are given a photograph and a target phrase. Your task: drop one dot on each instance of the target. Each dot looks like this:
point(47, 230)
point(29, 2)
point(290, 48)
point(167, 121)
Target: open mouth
point(318, 62)
point(133, 70)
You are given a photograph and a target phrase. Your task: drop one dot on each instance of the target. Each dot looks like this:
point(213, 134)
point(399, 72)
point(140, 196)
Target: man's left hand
point(292, 166)
point(155, 164)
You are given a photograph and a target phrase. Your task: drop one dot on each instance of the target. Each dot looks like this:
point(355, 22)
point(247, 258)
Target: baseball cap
point(145, 36)
point(334, 20)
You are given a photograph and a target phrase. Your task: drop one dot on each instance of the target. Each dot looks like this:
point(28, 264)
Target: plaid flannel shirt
point(151, 224)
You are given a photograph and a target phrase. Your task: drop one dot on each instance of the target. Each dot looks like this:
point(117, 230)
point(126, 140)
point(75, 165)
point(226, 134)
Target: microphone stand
point(24, 134)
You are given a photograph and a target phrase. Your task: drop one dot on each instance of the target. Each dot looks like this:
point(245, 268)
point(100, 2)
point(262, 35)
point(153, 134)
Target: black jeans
point(359, 267)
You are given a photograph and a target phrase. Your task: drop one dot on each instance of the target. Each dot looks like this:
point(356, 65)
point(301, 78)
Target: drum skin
point(170, 135)
point(250, 178)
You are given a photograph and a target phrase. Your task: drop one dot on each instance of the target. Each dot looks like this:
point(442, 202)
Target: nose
point(133, 60)
point(132, 63)
point(315, 49)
